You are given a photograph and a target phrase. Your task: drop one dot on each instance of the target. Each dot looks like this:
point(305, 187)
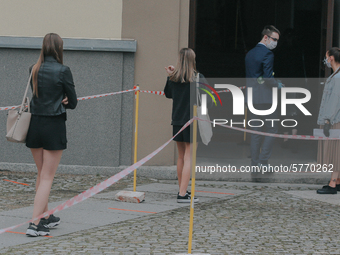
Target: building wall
point(76, 18)
point(100, 131)
point(161, 30)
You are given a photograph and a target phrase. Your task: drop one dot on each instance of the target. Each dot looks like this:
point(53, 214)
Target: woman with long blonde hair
point(53, 93)
point(178, 88)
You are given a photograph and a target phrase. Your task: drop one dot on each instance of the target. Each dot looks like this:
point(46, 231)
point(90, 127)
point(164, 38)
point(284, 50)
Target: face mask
point(271, 45)
point(325, 61)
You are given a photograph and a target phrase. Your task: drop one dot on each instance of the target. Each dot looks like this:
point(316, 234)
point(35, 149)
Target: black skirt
point(184, 136)
point(47, 132)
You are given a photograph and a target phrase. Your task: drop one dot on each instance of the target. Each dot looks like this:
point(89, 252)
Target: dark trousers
point(261, 146)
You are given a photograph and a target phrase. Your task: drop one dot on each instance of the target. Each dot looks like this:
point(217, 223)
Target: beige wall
point(161, 29)
point(159, 26)
point(68, 18)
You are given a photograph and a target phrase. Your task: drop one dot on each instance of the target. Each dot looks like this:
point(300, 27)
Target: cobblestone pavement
point(65, 186)
point(265, 220)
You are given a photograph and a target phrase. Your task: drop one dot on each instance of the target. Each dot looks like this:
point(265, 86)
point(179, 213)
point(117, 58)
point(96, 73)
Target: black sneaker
point(338, 187)
point(327, 190)
point(186, 199)
point(51, 221)
point(190, 193)
point(37, 230)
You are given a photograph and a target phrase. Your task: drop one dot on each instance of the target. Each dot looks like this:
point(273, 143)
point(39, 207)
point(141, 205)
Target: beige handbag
point(19, 121)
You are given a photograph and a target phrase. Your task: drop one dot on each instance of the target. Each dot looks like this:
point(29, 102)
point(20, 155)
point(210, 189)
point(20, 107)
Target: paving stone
point(265, 221)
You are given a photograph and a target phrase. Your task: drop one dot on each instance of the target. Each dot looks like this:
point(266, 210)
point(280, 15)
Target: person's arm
point(30, 71)
point(70, 101)
point(332, 106)
point(168, 89)
point(268, 71)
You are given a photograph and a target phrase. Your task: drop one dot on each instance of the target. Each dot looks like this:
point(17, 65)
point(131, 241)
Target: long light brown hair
point(185, 70)
point(52, 46)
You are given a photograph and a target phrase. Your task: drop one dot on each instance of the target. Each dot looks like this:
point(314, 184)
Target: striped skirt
point(329, 151)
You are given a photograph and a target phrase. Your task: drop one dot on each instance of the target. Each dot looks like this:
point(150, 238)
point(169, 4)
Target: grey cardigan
point(330, 103)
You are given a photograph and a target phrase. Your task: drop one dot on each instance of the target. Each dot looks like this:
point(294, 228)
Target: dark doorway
point(227, 30)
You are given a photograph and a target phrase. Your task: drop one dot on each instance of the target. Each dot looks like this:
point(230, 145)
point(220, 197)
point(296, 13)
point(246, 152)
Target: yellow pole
point(245, 133)
point(193, 166)
point(136, 137)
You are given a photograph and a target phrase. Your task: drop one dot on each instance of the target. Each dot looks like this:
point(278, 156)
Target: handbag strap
point(25, 95)
point(198, 97)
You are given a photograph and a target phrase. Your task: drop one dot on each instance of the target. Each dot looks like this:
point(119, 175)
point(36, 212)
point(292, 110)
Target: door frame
point(192, 24)
point(327, 25)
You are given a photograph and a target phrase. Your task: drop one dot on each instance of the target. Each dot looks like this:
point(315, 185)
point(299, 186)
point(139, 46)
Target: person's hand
point(280, 84)
point(169, 69)
point(326, 128)
point(65, 101)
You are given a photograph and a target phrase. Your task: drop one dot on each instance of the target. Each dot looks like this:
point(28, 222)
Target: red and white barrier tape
point(300, 137)
point(107, 183)
point(161, 93)
point(9, 108)
point(105, 95)
point(101, 186)
point(79, 98)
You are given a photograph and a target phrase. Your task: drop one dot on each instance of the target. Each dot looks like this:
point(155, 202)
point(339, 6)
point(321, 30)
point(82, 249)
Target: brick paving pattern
point(265, 220)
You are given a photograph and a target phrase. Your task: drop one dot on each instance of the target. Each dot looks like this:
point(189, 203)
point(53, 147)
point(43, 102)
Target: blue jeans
point(261, 146)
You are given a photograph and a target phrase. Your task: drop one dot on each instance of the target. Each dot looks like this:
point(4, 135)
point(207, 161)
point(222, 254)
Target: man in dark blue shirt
point(260, 77)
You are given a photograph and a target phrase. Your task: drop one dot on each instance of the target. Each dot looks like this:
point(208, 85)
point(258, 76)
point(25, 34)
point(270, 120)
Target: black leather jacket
point(54, 83)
